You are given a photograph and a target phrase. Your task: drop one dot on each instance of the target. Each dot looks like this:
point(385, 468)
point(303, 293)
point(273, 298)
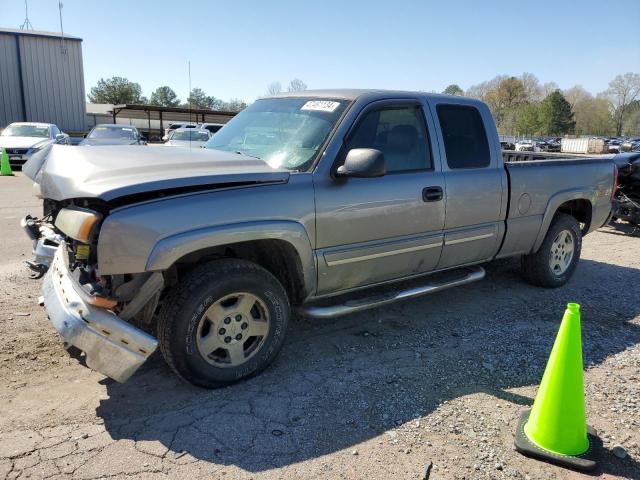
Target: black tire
point(184, 307)
point(536, 267)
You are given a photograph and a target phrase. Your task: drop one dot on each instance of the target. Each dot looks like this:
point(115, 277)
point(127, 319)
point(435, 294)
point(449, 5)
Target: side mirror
point(362, 163)
point(60, 137)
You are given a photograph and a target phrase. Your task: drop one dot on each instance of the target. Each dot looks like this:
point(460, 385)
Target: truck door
point(371, 230)
point(475, 182)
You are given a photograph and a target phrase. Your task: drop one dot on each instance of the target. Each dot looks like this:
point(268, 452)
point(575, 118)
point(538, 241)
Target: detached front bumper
point(45, 243)
point(112, 346)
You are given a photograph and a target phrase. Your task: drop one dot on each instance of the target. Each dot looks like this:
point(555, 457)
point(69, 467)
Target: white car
point(175, 126)
point(524, 146)
point(23, 139)
point(212, 127)
point(188, 137)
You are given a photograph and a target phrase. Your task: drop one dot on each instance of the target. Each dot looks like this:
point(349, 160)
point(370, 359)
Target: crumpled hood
point(22, 142)
point(66, 172)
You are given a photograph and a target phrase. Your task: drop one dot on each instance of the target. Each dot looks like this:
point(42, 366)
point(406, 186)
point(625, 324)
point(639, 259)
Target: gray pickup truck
point(326, 202)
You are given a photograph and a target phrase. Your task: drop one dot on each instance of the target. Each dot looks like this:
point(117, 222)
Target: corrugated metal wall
point(52, 81)
point(10, 90)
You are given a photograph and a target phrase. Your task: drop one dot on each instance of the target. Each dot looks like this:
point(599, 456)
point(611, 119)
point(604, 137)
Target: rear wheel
point(554, 263)
point(226, 321)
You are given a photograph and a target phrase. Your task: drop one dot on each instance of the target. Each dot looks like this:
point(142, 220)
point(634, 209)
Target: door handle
point(432, 194)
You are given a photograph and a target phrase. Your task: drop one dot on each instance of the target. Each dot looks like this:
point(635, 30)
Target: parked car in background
point(554, 144)
point(113, 134)
point(175, 126)
point(188, 137)
point(614, 145)
point(540, 145)
point(212, 127)
point(504, 145)
point(23, 139)
point(311, 201)
point(524, 146)
point(630, 145)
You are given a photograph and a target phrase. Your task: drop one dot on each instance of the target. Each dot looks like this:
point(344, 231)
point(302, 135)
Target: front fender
point(170, 249)
point(552, 207)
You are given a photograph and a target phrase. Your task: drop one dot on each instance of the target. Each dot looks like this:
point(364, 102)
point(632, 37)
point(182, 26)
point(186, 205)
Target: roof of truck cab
point(354, 93)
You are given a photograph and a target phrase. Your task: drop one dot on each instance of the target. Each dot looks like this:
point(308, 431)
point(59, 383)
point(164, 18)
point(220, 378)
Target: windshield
point(26, 131)
point(111, 132)
point(193, 135)
point(284, 132)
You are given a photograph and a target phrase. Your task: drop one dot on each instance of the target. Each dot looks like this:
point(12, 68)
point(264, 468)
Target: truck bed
point(531, 209)
point(510, 156)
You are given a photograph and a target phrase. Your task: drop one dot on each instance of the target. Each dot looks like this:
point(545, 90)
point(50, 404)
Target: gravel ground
point(439, 381)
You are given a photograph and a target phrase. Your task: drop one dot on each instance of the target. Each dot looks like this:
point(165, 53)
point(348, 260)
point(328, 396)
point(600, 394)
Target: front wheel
point(554, 263)
point(226, 321)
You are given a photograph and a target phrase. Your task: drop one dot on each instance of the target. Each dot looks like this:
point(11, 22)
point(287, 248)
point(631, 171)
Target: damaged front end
point(97, 315)
point(45, 243)
point(112, 346)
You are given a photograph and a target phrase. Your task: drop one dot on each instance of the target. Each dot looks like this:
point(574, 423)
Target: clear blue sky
point(238, 47)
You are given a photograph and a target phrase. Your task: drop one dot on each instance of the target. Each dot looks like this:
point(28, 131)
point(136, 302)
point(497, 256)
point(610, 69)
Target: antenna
point(63, 49)
point(26, 25)
point(189, 63)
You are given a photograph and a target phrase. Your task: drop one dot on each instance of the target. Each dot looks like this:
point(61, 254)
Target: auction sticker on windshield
point(320, 105)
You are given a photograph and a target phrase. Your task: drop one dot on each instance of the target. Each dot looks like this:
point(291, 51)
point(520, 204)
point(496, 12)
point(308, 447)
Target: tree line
point(521, 105)
point(119, 90)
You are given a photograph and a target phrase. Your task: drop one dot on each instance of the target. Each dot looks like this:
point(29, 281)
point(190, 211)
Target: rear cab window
point(464, 135)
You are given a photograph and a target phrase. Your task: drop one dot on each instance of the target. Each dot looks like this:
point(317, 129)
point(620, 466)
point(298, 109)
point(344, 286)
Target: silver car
point(23, 139)
point(188, 137)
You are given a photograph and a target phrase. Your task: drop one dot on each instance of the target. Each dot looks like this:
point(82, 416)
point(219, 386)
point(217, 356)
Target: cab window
point(399, 133)
point(465, 140)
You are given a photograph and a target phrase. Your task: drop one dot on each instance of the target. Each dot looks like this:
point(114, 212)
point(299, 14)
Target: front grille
point(17, 151)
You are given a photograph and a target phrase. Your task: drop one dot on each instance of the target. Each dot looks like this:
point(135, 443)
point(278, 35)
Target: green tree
point(117, 91)
point(164, 97)
point(198, 99)
point(631, 124)
point(504, 100)
point(528, 119)
point(593, 117)
point(234, 105)
point(556, 117)
point(453, 89)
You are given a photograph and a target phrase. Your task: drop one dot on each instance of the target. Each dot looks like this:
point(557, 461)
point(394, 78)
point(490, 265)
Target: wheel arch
point(281, 247)
point(576, 203)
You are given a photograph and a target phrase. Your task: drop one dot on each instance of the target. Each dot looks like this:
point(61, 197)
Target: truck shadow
point(341, 382)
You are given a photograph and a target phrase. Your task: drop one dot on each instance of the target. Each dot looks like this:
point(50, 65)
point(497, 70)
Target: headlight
point(78, 223)
point(36, 149)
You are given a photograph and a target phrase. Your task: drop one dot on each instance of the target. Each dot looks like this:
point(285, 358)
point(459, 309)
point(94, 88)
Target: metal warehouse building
point(41, 79)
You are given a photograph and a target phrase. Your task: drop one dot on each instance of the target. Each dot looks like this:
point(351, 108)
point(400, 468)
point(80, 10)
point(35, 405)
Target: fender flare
point(171, 248)
point(552, 207)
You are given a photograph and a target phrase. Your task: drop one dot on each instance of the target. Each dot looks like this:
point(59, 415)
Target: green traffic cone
point(5, 167)
point(556, 429)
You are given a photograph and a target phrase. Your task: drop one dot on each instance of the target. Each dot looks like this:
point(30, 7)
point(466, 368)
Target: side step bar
point(473, 274)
